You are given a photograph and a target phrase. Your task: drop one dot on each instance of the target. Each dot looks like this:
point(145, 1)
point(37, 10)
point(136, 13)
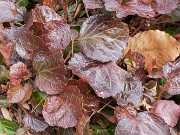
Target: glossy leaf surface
point(103, 38)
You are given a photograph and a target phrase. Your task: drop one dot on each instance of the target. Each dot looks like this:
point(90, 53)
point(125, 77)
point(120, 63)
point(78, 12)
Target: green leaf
point(4, 73)
point(8, 127)
point(3, 101)
point(173, 30)
point(23, 2)
point(38, 97)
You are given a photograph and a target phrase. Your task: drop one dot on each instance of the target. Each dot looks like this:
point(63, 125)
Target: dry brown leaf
point(6, 113)
point(155, 44)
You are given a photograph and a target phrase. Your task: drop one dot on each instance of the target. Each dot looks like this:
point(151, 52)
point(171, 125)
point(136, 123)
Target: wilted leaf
point(55, 34)
point(43, 14)
point(64, 110)
point(168, 110)
point(19, 93)
point(107, 79)
point(4, 73)
point(7, 127)
point(172, 74)
point(8, 11)
point(103, 38)
point(132, 93)
point(155, 44)
point(164, 6)
point(93, 4)
point(6, 113)
point(17, 72)
point(131, 7)
point(143, 123)
point(51, 73)
point(34, 123)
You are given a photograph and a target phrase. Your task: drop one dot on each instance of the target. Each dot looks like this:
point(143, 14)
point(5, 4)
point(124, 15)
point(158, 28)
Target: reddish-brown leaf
point(29, 46)
point(131, 7)
point(90, 103)
point(103, 38)
point(8, 11)
point(107, 79)
point(133, 92)
point(168, 110)
point(34, 123)
point(51, 73)
point(82, 126)
point(171, 71)
point(64, 110)
point(53, 4)
point(93, 4)
point(143, 123)
point(80, 84)
point(17, 72)
point(19, 93)
point(55, 34)
point(164, 6)
point(43, 14)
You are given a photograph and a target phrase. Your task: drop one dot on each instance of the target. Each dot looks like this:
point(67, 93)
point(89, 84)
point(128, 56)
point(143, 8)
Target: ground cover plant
point(89, 67)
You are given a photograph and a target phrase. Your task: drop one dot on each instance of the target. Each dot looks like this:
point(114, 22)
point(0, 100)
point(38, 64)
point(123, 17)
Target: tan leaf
point(155, 44)
point(6, 113)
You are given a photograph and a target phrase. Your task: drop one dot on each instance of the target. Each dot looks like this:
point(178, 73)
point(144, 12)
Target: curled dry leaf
point(103, 38)
point(64, 110)
point(168, 110)
point(171, 71)
point(93, 4)
point(107, 79)
point(17, 72)
point(55, 34)
point(8, 11)
point(34, 123)
point(51, 73)
point(131, 7)
point(143, 123)
point(155, 44)
point(19, 93)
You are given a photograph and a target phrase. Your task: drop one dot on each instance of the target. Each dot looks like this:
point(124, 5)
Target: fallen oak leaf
point(155, 44)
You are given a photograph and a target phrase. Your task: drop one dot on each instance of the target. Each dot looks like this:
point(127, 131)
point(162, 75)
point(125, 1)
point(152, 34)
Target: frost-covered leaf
point(93, 4)
point(8, 11)
point(107, 79)
point(171, 73)
point(131, 7)
point(164, 6)
point(34, 123)
point(143, 123)
point(17, 72)
point(7, 127)
point(167, 110)
point(155, 44)
point(133, 92)
point(43, 14)
point(51, 73)
point(64, 110)
point(19, 93)
point(55, 34)
point(103, 38)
